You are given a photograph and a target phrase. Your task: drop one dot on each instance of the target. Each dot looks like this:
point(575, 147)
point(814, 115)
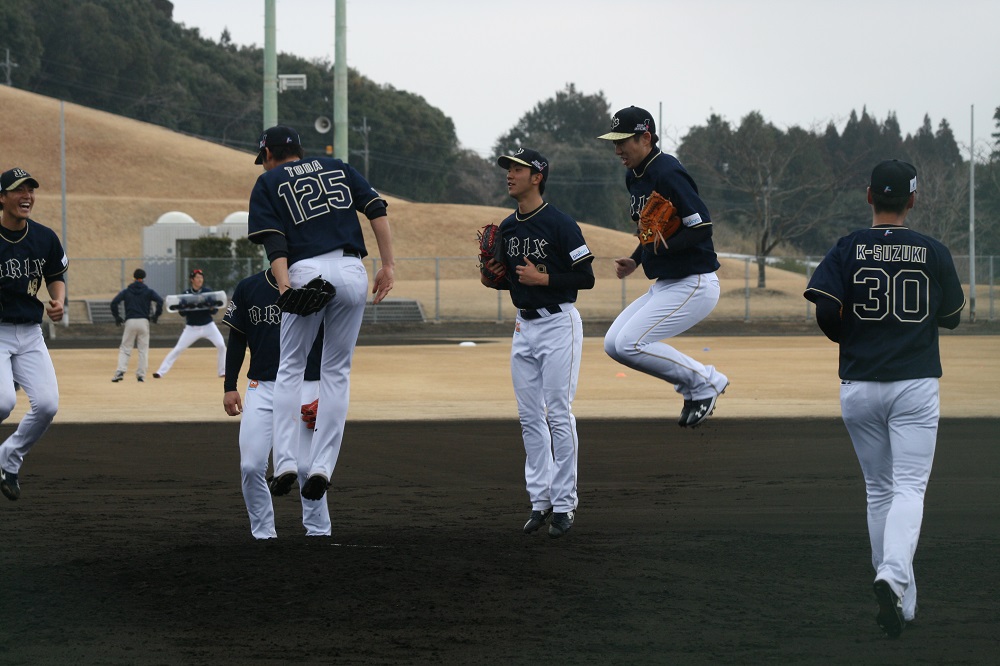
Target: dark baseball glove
point(308, 299)
point(491, 247)
point(658, 221)
point(309, 413)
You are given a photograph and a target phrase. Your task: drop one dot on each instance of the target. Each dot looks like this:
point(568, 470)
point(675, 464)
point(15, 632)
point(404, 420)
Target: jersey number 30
point(312, 196)
point(906, 295)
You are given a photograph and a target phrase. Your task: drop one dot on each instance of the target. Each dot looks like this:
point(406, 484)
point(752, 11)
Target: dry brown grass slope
point(122, 175)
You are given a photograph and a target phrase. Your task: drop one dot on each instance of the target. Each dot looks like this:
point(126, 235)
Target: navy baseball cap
point(529, 158)
point(893, 178)
point(13, 178)
point(629, 122)
point(279, 135)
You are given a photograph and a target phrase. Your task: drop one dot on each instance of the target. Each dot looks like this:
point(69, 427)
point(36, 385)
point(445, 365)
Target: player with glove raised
point(539, 254)
point(304, 211)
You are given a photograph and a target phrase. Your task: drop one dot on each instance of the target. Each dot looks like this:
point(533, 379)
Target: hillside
point(122, 175)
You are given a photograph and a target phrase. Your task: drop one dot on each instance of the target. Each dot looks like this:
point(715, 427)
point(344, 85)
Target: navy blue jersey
point(26, 258)
point(252, 312)
point(662, 173)
point(138, 299)
point(553, 242)
point(199, 317)
point(893, 284)
point(312, 202)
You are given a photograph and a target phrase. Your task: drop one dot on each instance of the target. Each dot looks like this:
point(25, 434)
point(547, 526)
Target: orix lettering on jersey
point(269, 315)
point(533, 248)
point(891, 253)
point(20, 268)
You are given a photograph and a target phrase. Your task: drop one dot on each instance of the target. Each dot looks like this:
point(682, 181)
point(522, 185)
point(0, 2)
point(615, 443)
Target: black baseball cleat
point(315, 487)
point(118, 377)
point(702, 409)
point(282, 484)
point(140, 379)
point(9, 485)
point(536, 520)
point(890, 609)
point(561, 523)
point(685, 413)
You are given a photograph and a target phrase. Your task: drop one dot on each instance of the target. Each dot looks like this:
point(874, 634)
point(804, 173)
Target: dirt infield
point(743, 541)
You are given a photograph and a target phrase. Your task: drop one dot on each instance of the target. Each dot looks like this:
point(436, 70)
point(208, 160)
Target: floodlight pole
point(340, 83)
point(270, 67)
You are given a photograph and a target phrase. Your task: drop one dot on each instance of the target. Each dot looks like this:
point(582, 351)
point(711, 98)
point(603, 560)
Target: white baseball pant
point(545, 368)
point(136, 334)
point(25, 359)
point(669, 308)
point(893, 426)
point(341, 320)
point(189, 336)
point(256, 432)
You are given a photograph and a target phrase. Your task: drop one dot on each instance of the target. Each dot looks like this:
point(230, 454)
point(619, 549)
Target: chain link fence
point(448, 288)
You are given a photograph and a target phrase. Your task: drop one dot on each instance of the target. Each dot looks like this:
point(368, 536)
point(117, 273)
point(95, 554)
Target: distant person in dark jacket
point(199, 325)
point(138, 299)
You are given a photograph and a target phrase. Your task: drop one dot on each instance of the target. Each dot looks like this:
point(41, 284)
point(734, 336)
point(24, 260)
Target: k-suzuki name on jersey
point(916, 254)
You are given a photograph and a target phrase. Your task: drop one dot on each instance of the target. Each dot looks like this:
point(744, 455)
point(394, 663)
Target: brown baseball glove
point(658, 221)
point(309, 413)
point(491, 247)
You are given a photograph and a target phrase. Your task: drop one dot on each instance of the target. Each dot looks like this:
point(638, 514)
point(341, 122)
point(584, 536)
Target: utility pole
point(972, 214)
point(364, 129)
point(8, 66)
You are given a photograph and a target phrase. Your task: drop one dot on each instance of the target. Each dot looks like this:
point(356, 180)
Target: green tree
point(774, 184)
point(585, 179)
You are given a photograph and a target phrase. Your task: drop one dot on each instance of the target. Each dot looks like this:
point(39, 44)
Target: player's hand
point(624, 267)
point(384, 281)
point(530, 275)
point(231, 401)
point(55, 310)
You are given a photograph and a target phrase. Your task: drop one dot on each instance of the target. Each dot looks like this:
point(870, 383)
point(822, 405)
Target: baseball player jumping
point(254, 321)
point(882, 293)
point(199, 324)
point(305, 214)
point(686, 288)
point(546, 261)
point(29, 253)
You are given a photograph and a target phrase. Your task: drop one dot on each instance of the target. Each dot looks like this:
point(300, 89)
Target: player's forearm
point(279, 268)
point(57, 290)
point(383, 238)
point(235, 353)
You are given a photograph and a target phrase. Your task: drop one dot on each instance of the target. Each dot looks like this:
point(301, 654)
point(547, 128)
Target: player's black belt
point(17, 320)
point(352, 253)
point(528, 315)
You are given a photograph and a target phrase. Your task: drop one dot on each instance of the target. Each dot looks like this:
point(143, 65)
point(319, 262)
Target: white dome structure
point(175, 217)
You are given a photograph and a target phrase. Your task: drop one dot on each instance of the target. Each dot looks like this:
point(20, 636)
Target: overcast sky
point(798, 62)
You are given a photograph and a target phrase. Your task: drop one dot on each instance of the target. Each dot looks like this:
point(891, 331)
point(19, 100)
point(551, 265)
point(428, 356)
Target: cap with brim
point(893, 178)
point(529, 158)
point(279, 135)
point(628, 122)
point(14, 178)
